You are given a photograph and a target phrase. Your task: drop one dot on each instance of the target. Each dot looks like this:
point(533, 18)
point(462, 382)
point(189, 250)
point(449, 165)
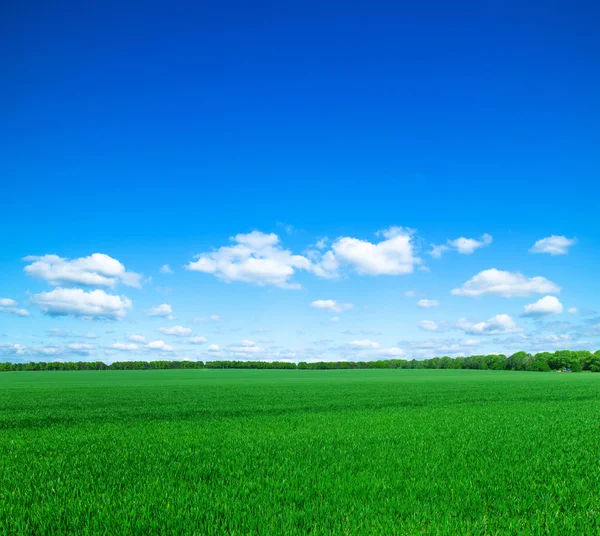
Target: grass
point(299, 452)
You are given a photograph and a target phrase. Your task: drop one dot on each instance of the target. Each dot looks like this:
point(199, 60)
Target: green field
point(299, 452)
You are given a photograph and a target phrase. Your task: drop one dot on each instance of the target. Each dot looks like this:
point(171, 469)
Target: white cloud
point(214, 348)
point(498, 324)
point(98, 270)
point(554, 245)
point(573, 310)
point(322, 243)
point(137, 338)
point(410, 293)
point(124, 347)
point(334, 319)
point(178, 331)
point(394, 255)
point(77, 302)
point(331, 305)
point(81, 348)
point(428, 325)
point(247, 343)
point(165, 269)
point(9, 306)
point(549, 305)
point(164, 310)
point(426, 304)
point(159, 345)
point(507, 284)
point(465, 246)
point(255, 258)
point(364, 344)
point(197, 340)
point(207, 319)
point(391, 352)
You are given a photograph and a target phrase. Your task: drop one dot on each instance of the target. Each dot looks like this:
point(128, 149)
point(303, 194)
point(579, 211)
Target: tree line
point(571, 360)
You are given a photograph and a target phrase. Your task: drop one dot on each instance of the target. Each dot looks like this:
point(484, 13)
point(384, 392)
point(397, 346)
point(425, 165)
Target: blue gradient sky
point(155, 132)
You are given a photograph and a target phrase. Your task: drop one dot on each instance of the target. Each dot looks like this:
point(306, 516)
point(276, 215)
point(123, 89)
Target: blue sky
point(160, 134)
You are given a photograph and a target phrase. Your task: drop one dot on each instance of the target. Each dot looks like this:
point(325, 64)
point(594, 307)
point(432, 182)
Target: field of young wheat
point(299, 452)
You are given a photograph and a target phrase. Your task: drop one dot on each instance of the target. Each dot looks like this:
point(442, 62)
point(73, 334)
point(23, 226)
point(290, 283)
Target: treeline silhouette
point(569, 360)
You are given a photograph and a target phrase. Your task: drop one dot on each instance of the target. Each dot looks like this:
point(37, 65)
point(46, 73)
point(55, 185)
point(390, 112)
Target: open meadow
point(299, 452)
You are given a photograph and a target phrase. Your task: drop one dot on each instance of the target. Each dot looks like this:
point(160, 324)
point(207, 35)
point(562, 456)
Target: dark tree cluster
point(571, 360)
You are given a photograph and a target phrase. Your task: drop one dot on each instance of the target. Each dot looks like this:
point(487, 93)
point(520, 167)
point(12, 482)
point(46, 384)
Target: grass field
point(299, 452)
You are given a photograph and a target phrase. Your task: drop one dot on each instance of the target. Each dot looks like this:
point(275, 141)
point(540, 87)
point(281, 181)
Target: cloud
point(334, 319)
point(549, 305)
point(256, 258)
point(506, 284)
point(9, 306)
point(395, 255)
point(498, 324)
point(465, 246)
point(81, 348)
point(159, 345)
point(573, 310)
point(410, 293)
point(165, 269)
point(214, 348)
point(164, 310)
point(178, 331)
point(426, 304)
point(428, 325)
point(331, 305)
point(207, 319)
point(137, 338)
point(76, 302)
point(554, 245)
point(391, 352)
point(197, 340)
point(363, 344)
point(124, 347)
point(97, 270)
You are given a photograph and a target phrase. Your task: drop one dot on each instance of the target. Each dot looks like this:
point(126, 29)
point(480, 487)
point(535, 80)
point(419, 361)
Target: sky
point(298, 181)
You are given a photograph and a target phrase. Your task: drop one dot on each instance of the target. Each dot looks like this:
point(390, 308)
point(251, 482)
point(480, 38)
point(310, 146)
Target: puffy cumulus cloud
point(428, 325)
point(76, 302)
point(214, 348)
point(125, 346)
point(12, 350)
point(164, 310)
point(498, 324)
point(256, 258)
point(81, 349)
point(207, 319)
point(137, 338)
point(426, 304)
point(394, 255)
point(331, 305)
point(9, 306)
point(390, 352)
point(573, 310)
point(465, 246)
point(554, 245)
point(165, 269)
point(197, 340)
point(177, 331)
point(159, 345)
point(97, 270)
point(506, 284)
point(363, 344)
point(548, 305)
